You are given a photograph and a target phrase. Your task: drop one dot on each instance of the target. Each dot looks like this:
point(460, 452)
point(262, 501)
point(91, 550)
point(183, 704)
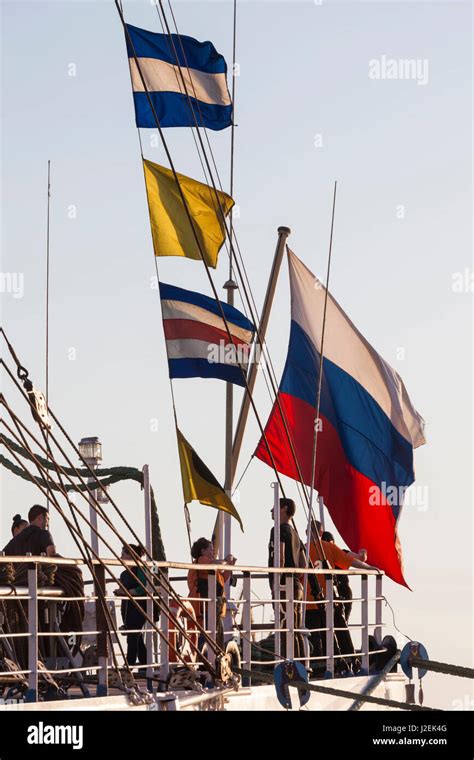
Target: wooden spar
point(283, 233)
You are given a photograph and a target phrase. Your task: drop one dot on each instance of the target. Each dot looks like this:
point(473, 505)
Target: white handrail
point(249, 634)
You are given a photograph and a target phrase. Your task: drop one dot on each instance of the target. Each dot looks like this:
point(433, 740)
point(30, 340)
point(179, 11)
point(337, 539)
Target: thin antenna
point(320, 379)
point(47, 283)
point(232, 136)
point(47, 304)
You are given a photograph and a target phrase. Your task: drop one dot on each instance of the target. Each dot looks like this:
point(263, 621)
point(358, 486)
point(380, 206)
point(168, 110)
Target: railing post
point(365, 624)
point(247, 627)
point(32, 693)
point(277, 615)
point(305, 635)
point(164, 638)
point(276, 563)
point(211, 612)
point(102, 627)
point(149, 586)
point(330, 627)
point(149, 636)
point(51, 607)
point(290, 618)
point(378, 631)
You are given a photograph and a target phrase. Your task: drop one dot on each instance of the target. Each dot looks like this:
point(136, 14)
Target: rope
point(89, 472)
point(152, 580)
point(76, 533)
point(100, 588)
point(441, 667)
point(158, 601)
point(337, 692)
point(110, 475)
point(409, 638)
point(150, 576)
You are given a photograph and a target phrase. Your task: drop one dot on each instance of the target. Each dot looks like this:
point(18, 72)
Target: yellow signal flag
point(199, 484)
point(170, 226)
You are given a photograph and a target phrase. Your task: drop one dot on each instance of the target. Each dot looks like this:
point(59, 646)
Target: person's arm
point(359, 555)
point(229, 560)
point(353, 554)
point(362, 565)
point(47, 543)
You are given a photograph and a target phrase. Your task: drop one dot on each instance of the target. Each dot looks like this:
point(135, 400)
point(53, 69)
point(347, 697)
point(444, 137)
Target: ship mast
point(283, 233)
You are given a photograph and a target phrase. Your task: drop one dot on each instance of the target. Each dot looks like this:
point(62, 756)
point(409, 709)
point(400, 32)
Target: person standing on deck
point(133, 618)
point(291, 552)
point(202, 553)
point(34, 539)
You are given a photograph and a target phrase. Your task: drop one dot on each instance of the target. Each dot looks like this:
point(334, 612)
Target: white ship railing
point(247, 632)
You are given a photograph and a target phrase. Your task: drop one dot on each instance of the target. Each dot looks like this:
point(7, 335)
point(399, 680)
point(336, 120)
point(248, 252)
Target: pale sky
point(308, 113)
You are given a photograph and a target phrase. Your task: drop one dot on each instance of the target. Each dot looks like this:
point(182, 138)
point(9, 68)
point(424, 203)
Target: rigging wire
point(62, 488)
point(196, 237)
point(320, 377)
point(164, 609)
point(187, 516)
point(243, 474)
point(132, 553)
point(165, 145)
point(83, 551)
point(251, 301)
point(47, 290)
point(98, 508)
point(164, 23)
point(409, 638)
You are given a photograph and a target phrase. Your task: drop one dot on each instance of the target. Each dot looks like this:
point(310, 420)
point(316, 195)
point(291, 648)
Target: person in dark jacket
point(35, 538)
point(290, 551)
point(133, 618)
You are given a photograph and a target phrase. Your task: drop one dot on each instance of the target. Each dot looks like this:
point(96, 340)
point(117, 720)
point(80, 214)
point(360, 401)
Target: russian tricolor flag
point(368, 426)
point(186, 81)
point(197, 340)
